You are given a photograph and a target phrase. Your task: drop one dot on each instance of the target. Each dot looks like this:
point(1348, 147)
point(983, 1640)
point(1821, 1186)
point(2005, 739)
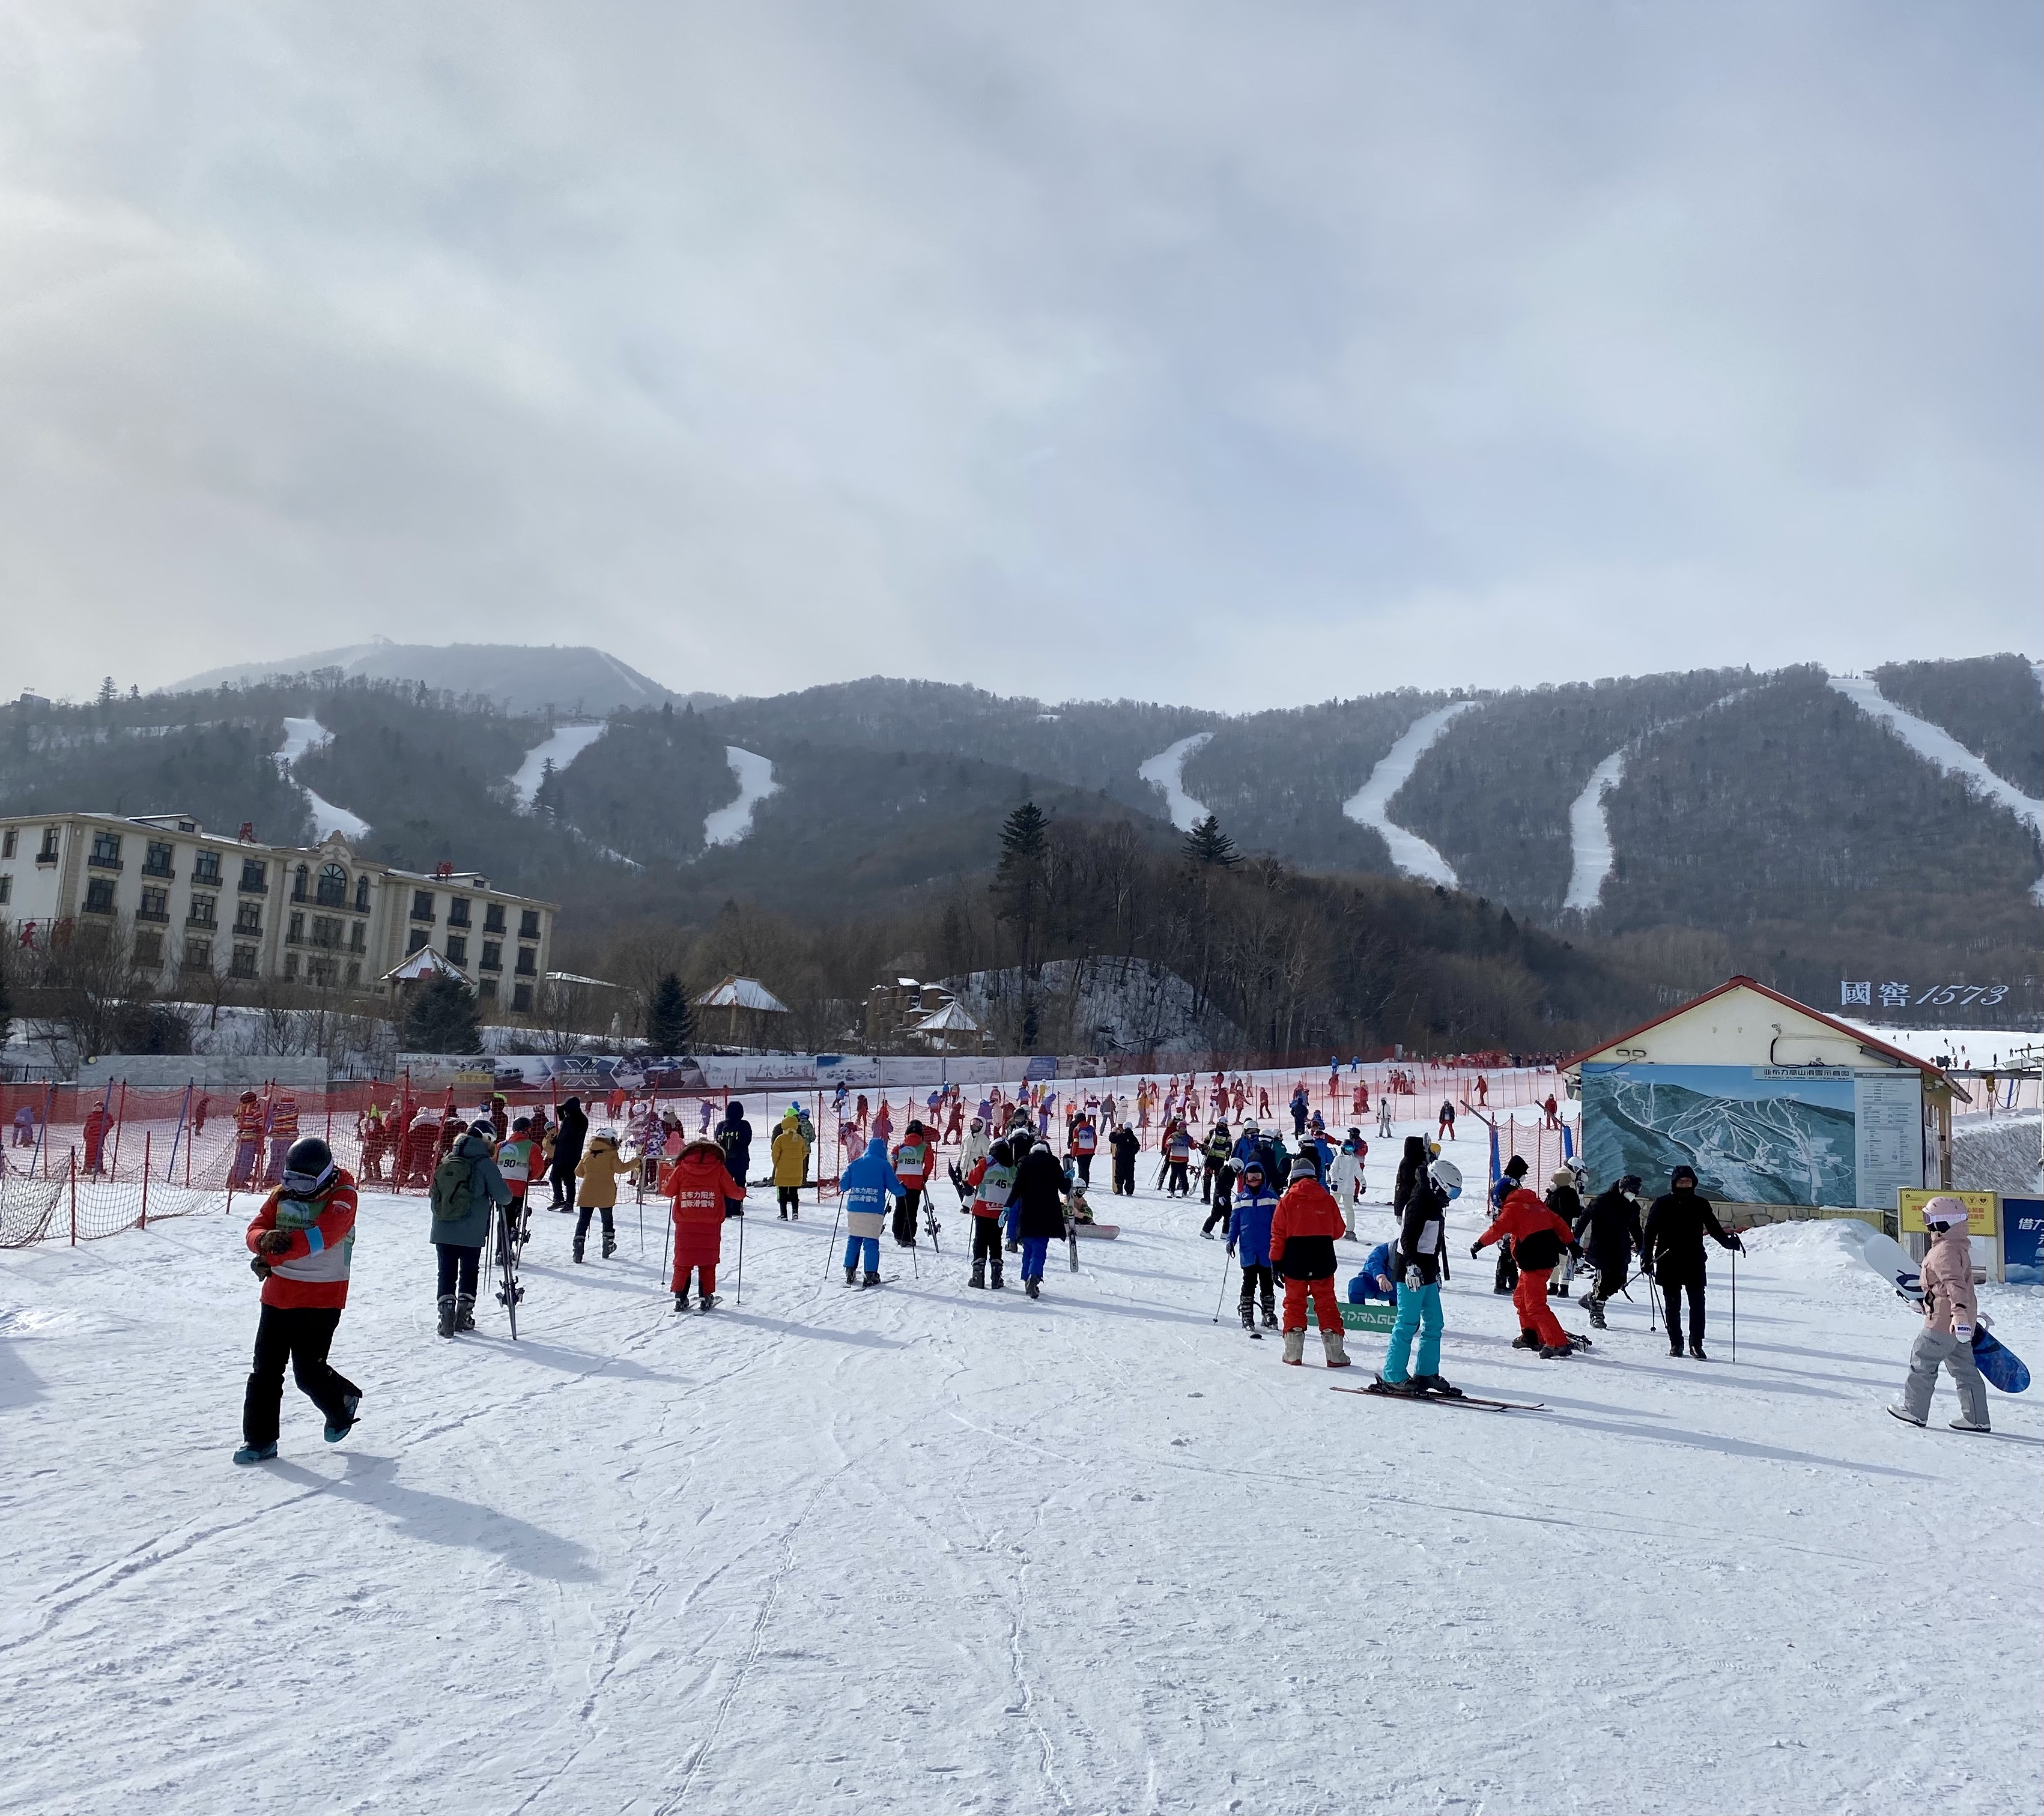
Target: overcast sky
point(1237, 354)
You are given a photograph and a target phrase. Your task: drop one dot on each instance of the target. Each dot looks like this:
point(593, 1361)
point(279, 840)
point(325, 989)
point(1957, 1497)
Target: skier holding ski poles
point(1672, 1252)
point(864, 1188)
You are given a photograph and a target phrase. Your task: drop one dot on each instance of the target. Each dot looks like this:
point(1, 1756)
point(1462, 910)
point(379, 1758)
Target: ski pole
point(1734, 1305)
point(832, 1244)
point(738, 1291)
point(1227, 1267)
point(666, 1234)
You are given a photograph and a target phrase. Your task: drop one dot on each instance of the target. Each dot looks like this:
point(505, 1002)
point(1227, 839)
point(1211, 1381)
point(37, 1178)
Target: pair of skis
point(1442, 1399)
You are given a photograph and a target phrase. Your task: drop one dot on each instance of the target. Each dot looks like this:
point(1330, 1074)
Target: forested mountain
point(1774, 822)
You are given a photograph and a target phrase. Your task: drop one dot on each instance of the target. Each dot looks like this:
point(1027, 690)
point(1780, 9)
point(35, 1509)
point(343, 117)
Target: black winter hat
point(1681, 1173)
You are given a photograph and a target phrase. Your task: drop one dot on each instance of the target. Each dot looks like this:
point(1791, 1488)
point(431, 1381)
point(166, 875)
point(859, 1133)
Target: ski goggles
point(307, 1184)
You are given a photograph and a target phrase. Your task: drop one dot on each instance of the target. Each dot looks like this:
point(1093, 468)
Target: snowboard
point(1998, 1364)
point(1436, 1399)
point(1101, 1232)
point(1891, 1261)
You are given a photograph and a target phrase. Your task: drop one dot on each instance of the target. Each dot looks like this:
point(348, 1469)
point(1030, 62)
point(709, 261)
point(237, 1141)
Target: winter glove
point(1230, 1250)
point(274, 1242)
point(1964, 1333)
point(258, 1267)
point(1476, 1248)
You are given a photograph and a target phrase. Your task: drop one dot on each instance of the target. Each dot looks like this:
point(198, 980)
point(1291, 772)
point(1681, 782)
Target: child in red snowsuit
point(1302, 1249)
point(1539, 1239)
point(699, 1184)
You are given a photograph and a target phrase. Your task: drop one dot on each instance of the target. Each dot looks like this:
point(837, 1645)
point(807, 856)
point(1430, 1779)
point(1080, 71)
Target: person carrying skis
point(865, 1187)
point(1419, 1266)
point(1951, 1313)
point(702, 1188)
point(302, 1241)
point(791, 1164)
point(518, 1160)
point(1038, 1198)
point(1122, 1146)
point(596, 1174)
point(1249, 1242)
point(1539, 1239)
point(466, 1185)
point(992, 1183)
point(1672, 1251)
point(1609, 1232)
point(913, 1160)
point(1302, 1230)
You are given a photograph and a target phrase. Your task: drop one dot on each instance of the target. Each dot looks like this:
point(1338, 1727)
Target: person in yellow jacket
point(791, 1164)
point(597, 1171)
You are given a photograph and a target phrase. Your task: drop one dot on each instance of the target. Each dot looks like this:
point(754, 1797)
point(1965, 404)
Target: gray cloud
point(1238, 355)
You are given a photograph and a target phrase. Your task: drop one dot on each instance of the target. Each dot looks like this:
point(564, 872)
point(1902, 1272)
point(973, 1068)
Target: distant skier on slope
point(1345, 1177)
point(1951, 1312)
point(1673, 1250)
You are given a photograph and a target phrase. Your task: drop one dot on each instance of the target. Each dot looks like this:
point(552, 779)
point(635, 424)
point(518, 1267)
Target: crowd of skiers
point(1280, 1208)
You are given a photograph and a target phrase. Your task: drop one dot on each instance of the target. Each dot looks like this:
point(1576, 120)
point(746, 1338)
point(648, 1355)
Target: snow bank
point(300, 736)
point(560, 747)
point(1166, 770)
point(1998, 1153)
point(1368, 805)
point(728, 825)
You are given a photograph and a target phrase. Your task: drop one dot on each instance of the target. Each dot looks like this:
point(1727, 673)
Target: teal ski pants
point(1418, 1314)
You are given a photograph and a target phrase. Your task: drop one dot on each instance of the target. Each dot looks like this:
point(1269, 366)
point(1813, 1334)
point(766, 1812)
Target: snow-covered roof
point(949, 1019)
point(577, 977)
point(742, 993)
point(425, 962)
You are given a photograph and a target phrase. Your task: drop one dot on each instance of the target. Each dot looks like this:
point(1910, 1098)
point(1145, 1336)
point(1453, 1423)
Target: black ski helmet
point(308, 1168)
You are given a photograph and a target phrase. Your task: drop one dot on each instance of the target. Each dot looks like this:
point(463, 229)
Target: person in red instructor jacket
point(699, 1184)
point(303, 1242)
point(1303, 1231)
point(1539, 1239)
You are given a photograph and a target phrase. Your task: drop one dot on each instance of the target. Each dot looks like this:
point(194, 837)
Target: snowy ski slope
point(1370, 804)
point(1167, 771)
point(300, 736)
point(929, 1549)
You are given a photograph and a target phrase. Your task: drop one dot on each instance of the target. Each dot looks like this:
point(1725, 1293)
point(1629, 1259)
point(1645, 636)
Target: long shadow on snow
point(1020, 1301)
point(859, 1339)
point(583, 1362)
point(1738, 1447)
point(440, 1519)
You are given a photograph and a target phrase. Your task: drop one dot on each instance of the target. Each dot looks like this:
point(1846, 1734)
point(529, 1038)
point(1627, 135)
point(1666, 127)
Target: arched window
point(332, 886)
point(362, 895)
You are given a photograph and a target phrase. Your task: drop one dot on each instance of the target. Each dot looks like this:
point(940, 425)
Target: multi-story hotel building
point(193, 902)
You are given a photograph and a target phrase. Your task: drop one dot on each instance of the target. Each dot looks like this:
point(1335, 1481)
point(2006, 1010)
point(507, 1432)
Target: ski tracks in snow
point(1369, 805)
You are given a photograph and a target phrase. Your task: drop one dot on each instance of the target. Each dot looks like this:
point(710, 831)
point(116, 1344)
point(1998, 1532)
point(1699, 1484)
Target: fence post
point(74, 1197)
point(145, 1179)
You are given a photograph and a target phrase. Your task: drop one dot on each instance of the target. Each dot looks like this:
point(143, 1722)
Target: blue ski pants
point(1034, 1250)
point(1419, 1312)
point(867, 1245)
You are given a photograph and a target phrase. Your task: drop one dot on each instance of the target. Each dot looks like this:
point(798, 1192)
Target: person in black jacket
point(1672, 1252)
point(1514, 1176)
point(1566, 1203)
point(1420, 1262)
point(570, 1133)
point(1038, 1198)
point(1609, 1231)
point(1124, 1144)
point(1412, 1164)
point(734, 1135)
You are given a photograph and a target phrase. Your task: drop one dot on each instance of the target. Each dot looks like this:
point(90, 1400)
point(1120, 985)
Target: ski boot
point(872, 1277)
point(1556, 1352)
point(1033, 1288)
point(996, 1282)
point(1409, 1389)
point(578, 1254)
point(1295, 1349)
point(1526, 1340)
point(1270, 1315)
point(1331, 1341)
point(1248, 1316)
point(267, 1453)
point(464, 1311)
point(1577, 1341)
point(1595, 1307)
point(1439, 1386)
point(978, 1276)
point(1674, 1345)
point(852, 1274)
point(446, 1315)
point(609, 1245)
point(706, 1302)
point(335, 1432)
point(1696, 1351)
point(508, 1296)
point(681, 1302)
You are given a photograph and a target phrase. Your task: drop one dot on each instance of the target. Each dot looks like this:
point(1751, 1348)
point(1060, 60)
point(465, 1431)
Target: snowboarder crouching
point(701, 1188)
point(302, 1240)
point(1951, 1311)
point(1302, 1249)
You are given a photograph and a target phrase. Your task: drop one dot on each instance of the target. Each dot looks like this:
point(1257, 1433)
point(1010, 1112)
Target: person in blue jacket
point(1377, 1280)
point(866, 1185)
point(1300, 1103)
point(1249, 1242)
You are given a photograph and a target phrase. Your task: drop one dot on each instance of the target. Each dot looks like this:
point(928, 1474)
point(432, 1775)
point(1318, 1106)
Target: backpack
point(451, 1180)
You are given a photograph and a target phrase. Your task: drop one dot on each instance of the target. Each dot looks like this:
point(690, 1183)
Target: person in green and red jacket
point(302, 1240)
point(914, 1161)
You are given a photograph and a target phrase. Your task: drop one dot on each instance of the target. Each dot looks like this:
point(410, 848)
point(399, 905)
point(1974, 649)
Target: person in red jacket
point(249, 1122)
point(1539, 1239)
point(1302, 1231)
point(699, 1184)
point(302, 1240)
point(98, 1119)
point(283, 1132)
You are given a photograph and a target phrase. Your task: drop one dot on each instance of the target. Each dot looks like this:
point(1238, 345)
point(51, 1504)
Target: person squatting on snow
point(1038, 1197)
point(1249, 1242)
point(1951, 1311)
point(302, 1241)
point(1672, 1251)
point(864, 1189)
point(913, 1161)
point(790, 1150)
point(703, 1190)
point(596, 1173)
point(1302, 1250)
point(466, 1185)
point(1419, 1266)
point(1609, 1232)
point(1379, 1279)
point(991, 1190)
point(1539, 1239)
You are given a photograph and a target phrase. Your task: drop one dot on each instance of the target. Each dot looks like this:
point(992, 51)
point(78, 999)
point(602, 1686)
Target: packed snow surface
point(1590, 835)
point(924, 1548)
point(560, 747)
point(755, 782)
point(1935, 745)
point(1166, 770)
point(1368, 805)
point(300, 736)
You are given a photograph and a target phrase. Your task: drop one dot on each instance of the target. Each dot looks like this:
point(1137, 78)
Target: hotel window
point(493, 917)
point(458, 911)
point(148, 951)
point(521, 999)
point(198, 955)
point(106, 850)
point(99, 896)
point(415, 940)
point(422, 904)
point(156, 858)
point(255, 876)
point(457, 950)
point(156, 905)
point(244, 961)
point(206, 869)
point(529, 924)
